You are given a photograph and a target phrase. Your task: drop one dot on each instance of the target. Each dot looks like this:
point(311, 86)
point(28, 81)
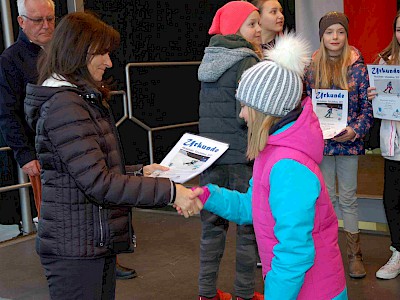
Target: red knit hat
point(230, 17)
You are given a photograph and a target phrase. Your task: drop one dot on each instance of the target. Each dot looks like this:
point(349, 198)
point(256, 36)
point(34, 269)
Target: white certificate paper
point(331, 107)
point(191, 155)
point(386, 80)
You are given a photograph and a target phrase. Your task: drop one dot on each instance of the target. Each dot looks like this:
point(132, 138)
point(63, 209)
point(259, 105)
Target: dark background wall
point(161, 31)
point(156, 31)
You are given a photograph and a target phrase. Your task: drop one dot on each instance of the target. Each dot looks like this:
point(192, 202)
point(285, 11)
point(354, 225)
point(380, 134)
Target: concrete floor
point(167, 263)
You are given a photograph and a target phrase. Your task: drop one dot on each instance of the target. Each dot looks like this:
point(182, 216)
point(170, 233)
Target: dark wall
point(161, 31)
point(158, 31)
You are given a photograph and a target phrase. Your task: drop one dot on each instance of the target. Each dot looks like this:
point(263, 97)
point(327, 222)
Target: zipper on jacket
point(101, 227)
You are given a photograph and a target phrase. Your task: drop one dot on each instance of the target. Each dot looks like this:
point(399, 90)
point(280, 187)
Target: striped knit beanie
point(274, 86)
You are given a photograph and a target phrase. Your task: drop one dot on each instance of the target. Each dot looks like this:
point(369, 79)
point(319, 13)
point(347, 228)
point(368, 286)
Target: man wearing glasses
point(17, 68)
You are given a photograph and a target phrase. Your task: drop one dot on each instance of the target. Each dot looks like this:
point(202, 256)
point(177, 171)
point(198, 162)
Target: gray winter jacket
point(87, 197)
point(226, 58)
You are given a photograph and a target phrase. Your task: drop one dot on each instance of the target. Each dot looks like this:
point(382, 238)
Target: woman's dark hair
point(76, 39)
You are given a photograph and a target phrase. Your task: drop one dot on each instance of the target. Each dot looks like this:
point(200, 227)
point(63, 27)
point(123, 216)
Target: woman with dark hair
point(87, 196)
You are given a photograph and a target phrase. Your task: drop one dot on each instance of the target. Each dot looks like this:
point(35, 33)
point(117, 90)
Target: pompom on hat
point(274, 86)
point(230, 17)
point(330, 18)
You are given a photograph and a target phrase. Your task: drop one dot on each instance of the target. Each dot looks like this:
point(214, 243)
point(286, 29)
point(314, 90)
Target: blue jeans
point(214, 230)
point(345, 168)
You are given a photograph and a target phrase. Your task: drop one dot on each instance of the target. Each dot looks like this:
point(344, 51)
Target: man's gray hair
point(22, 8)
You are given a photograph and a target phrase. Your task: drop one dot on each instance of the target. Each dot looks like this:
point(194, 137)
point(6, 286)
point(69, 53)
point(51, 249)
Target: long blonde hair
point(391, 53)
point(332, 72)
point(258, 125)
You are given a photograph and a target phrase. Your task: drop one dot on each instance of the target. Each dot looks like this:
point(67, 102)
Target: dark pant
point(89, 279)
point(214, 230)
point(391, 200)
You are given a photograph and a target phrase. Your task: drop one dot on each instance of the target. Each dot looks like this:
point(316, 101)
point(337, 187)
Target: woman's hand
point(197, 191)
point(148, 170)
point(186, 201)
point(371, 93)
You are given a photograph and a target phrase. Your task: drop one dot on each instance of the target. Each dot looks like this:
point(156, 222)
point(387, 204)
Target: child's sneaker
point(220, 296)
point(392, 268)
point(257, 296)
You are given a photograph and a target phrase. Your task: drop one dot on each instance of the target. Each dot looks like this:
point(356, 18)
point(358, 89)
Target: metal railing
point(25, 201)
point(149, 129)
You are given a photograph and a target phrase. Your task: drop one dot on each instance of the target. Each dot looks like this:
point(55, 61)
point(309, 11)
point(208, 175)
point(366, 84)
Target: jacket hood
point(356, 56)
point(304, 135)
point(37, 95)
point(223, 52)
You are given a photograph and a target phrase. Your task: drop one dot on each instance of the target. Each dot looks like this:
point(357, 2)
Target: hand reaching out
point(186, 201)
point(196, 192)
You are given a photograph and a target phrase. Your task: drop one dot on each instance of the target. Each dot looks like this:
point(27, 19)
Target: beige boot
point(354, 255)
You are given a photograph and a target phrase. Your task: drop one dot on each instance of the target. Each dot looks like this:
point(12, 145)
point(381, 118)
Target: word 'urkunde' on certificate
point(386, 80)
point(331, 107)
point(191, 155)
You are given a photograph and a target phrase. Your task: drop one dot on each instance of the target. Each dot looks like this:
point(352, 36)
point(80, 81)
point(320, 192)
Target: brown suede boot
point(354, 255)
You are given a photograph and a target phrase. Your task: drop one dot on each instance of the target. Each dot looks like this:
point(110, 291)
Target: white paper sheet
point(191, 155)
point(331, 108)
point(386, 80)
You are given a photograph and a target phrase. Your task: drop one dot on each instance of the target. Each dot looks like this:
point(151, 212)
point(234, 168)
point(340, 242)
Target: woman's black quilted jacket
point(87, 197)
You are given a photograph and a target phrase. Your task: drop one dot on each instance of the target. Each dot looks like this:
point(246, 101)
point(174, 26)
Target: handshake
point(187, 201)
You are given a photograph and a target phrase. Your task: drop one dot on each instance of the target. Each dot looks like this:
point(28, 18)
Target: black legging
point(391, 200)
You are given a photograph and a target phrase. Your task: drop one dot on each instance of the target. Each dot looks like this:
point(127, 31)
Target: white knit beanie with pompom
point(274, 86)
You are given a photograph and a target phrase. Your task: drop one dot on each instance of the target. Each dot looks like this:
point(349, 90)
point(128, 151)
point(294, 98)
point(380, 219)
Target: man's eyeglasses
point(40, 21)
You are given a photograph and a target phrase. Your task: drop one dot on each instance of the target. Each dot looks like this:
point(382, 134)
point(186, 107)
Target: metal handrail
point(25, 201)
point(125, 102)
point(129, 94)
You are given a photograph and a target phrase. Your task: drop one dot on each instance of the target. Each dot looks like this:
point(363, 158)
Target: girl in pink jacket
point(287, 202)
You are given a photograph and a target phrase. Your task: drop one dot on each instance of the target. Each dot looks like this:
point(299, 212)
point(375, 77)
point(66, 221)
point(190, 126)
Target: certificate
point(331, 107)
point(386, 80)
point(190, 156)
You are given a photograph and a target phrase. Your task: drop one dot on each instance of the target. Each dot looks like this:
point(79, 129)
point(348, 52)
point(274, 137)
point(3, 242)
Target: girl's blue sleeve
point(294, 190)
point(231, 205)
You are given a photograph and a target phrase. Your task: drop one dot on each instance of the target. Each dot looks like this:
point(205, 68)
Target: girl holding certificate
point(389, 136)
point(337, 65)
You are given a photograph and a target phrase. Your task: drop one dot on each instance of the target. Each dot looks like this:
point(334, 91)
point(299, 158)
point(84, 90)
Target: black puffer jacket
point(87, 197)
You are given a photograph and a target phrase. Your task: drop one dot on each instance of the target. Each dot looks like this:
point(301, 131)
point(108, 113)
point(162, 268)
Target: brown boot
point(354, 255)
